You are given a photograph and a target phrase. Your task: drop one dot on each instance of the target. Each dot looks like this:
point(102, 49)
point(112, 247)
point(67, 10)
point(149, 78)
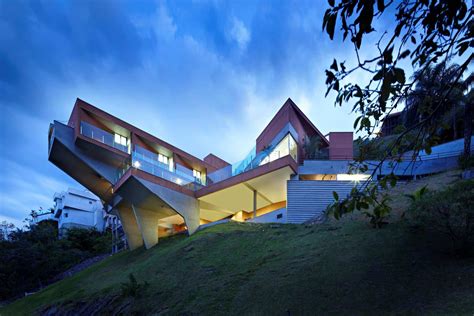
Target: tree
point(468, 105)
point(428, 89)
point(426, 33)
point(313, 148)
point(32, 258)
point(5, 230)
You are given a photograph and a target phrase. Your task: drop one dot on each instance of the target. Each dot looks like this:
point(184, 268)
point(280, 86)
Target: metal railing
point(100, 135)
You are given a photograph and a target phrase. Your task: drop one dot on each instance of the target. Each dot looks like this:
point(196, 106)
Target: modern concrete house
point(157, 189)
point(80, 209)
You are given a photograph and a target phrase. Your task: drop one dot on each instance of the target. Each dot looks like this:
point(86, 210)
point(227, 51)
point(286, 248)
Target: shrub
point(466, 162)
point(88, 240)
point(450, 211)
point(132, 287)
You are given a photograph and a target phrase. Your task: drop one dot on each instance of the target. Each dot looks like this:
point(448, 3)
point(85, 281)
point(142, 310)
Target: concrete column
point(254, 203)
point(130, 226)
point(191, 219)
point(148, 224)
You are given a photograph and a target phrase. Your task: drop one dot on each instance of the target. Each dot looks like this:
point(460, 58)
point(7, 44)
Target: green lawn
point(335, 268)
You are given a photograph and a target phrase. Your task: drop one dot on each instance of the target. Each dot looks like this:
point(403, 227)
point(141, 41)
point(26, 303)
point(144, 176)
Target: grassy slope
point(242, 268)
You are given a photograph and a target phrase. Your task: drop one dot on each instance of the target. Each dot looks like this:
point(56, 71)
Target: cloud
point(24, 189)
point(239, 33)
point(206, 76)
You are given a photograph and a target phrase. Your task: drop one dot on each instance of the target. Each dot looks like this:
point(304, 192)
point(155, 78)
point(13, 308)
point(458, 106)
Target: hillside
point(240, 268)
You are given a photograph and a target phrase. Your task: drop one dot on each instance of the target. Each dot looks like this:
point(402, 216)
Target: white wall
point(80, 209)
point(272, 217)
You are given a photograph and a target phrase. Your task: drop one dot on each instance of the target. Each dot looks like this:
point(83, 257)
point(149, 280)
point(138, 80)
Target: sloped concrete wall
point(185, 205)
point(147, 221)
point(130, 225)
point(65, 135)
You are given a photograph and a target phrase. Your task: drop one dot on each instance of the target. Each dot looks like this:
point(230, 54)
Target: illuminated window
point(163, 159)
point(119, 139)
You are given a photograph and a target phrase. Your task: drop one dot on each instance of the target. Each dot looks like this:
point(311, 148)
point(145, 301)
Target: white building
point(81, 209)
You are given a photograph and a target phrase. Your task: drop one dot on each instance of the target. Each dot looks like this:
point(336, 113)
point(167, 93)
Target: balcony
point(285, 147)
point(103, 137)
point(149, 162)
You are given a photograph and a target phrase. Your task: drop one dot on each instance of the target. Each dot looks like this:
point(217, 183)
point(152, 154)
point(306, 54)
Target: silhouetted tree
point(426, 32)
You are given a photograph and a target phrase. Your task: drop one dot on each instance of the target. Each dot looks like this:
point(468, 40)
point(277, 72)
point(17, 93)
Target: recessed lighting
point(136, 164)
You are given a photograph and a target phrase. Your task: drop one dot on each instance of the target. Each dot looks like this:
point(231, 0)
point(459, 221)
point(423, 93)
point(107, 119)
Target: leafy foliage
point(31, 258)
point(418, 194)
point(313, 148)
point(427, 33)
point(450, 211)
point(371, 203)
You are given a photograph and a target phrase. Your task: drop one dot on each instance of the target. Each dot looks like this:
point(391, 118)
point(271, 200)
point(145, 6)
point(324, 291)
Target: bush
point(89, 240)
point(450, 211)
point(132, 287)
point(466, 162)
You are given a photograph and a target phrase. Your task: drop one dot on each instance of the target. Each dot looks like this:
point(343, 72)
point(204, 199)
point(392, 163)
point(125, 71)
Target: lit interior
point(287, 146)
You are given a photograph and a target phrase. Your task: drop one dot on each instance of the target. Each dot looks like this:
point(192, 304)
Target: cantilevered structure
point(158, 189)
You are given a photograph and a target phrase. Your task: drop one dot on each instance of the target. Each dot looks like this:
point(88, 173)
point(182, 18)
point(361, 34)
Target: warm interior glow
point(352, 177)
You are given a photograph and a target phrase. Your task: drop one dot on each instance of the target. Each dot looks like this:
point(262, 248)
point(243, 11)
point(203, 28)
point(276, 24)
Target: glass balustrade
point(286, 147)
point(149, 162)
point(102, 136)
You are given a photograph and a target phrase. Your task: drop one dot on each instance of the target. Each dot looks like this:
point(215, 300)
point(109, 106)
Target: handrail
point(100, 135)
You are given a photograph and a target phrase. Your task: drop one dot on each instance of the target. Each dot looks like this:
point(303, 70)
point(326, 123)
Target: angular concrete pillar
point(191, 216)
point(130, 226)
point(148, 223)
point(184, 205)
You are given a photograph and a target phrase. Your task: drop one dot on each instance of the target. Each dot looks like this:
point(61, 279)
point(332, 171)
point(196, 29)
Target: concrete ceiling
point(271, 188)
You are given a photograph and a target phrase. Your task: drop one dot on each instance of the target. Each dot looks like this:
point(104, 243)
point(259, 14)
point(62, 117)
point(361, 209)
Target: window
point(197, 174)
point(163, 159)
point(119, 139)
point(279, 216)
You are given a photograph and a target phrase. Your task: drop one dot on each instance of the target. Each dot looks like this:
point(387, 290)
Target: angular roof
point(290, 106)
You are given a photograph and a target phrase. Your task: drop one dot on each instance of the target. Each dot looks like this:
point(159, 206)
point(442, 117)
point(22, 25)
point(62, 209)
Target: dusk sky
point(206, 76)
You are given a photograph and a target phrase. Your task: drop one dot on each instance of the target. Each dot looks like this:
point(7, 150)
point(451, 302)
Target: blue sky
point(206, 76)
